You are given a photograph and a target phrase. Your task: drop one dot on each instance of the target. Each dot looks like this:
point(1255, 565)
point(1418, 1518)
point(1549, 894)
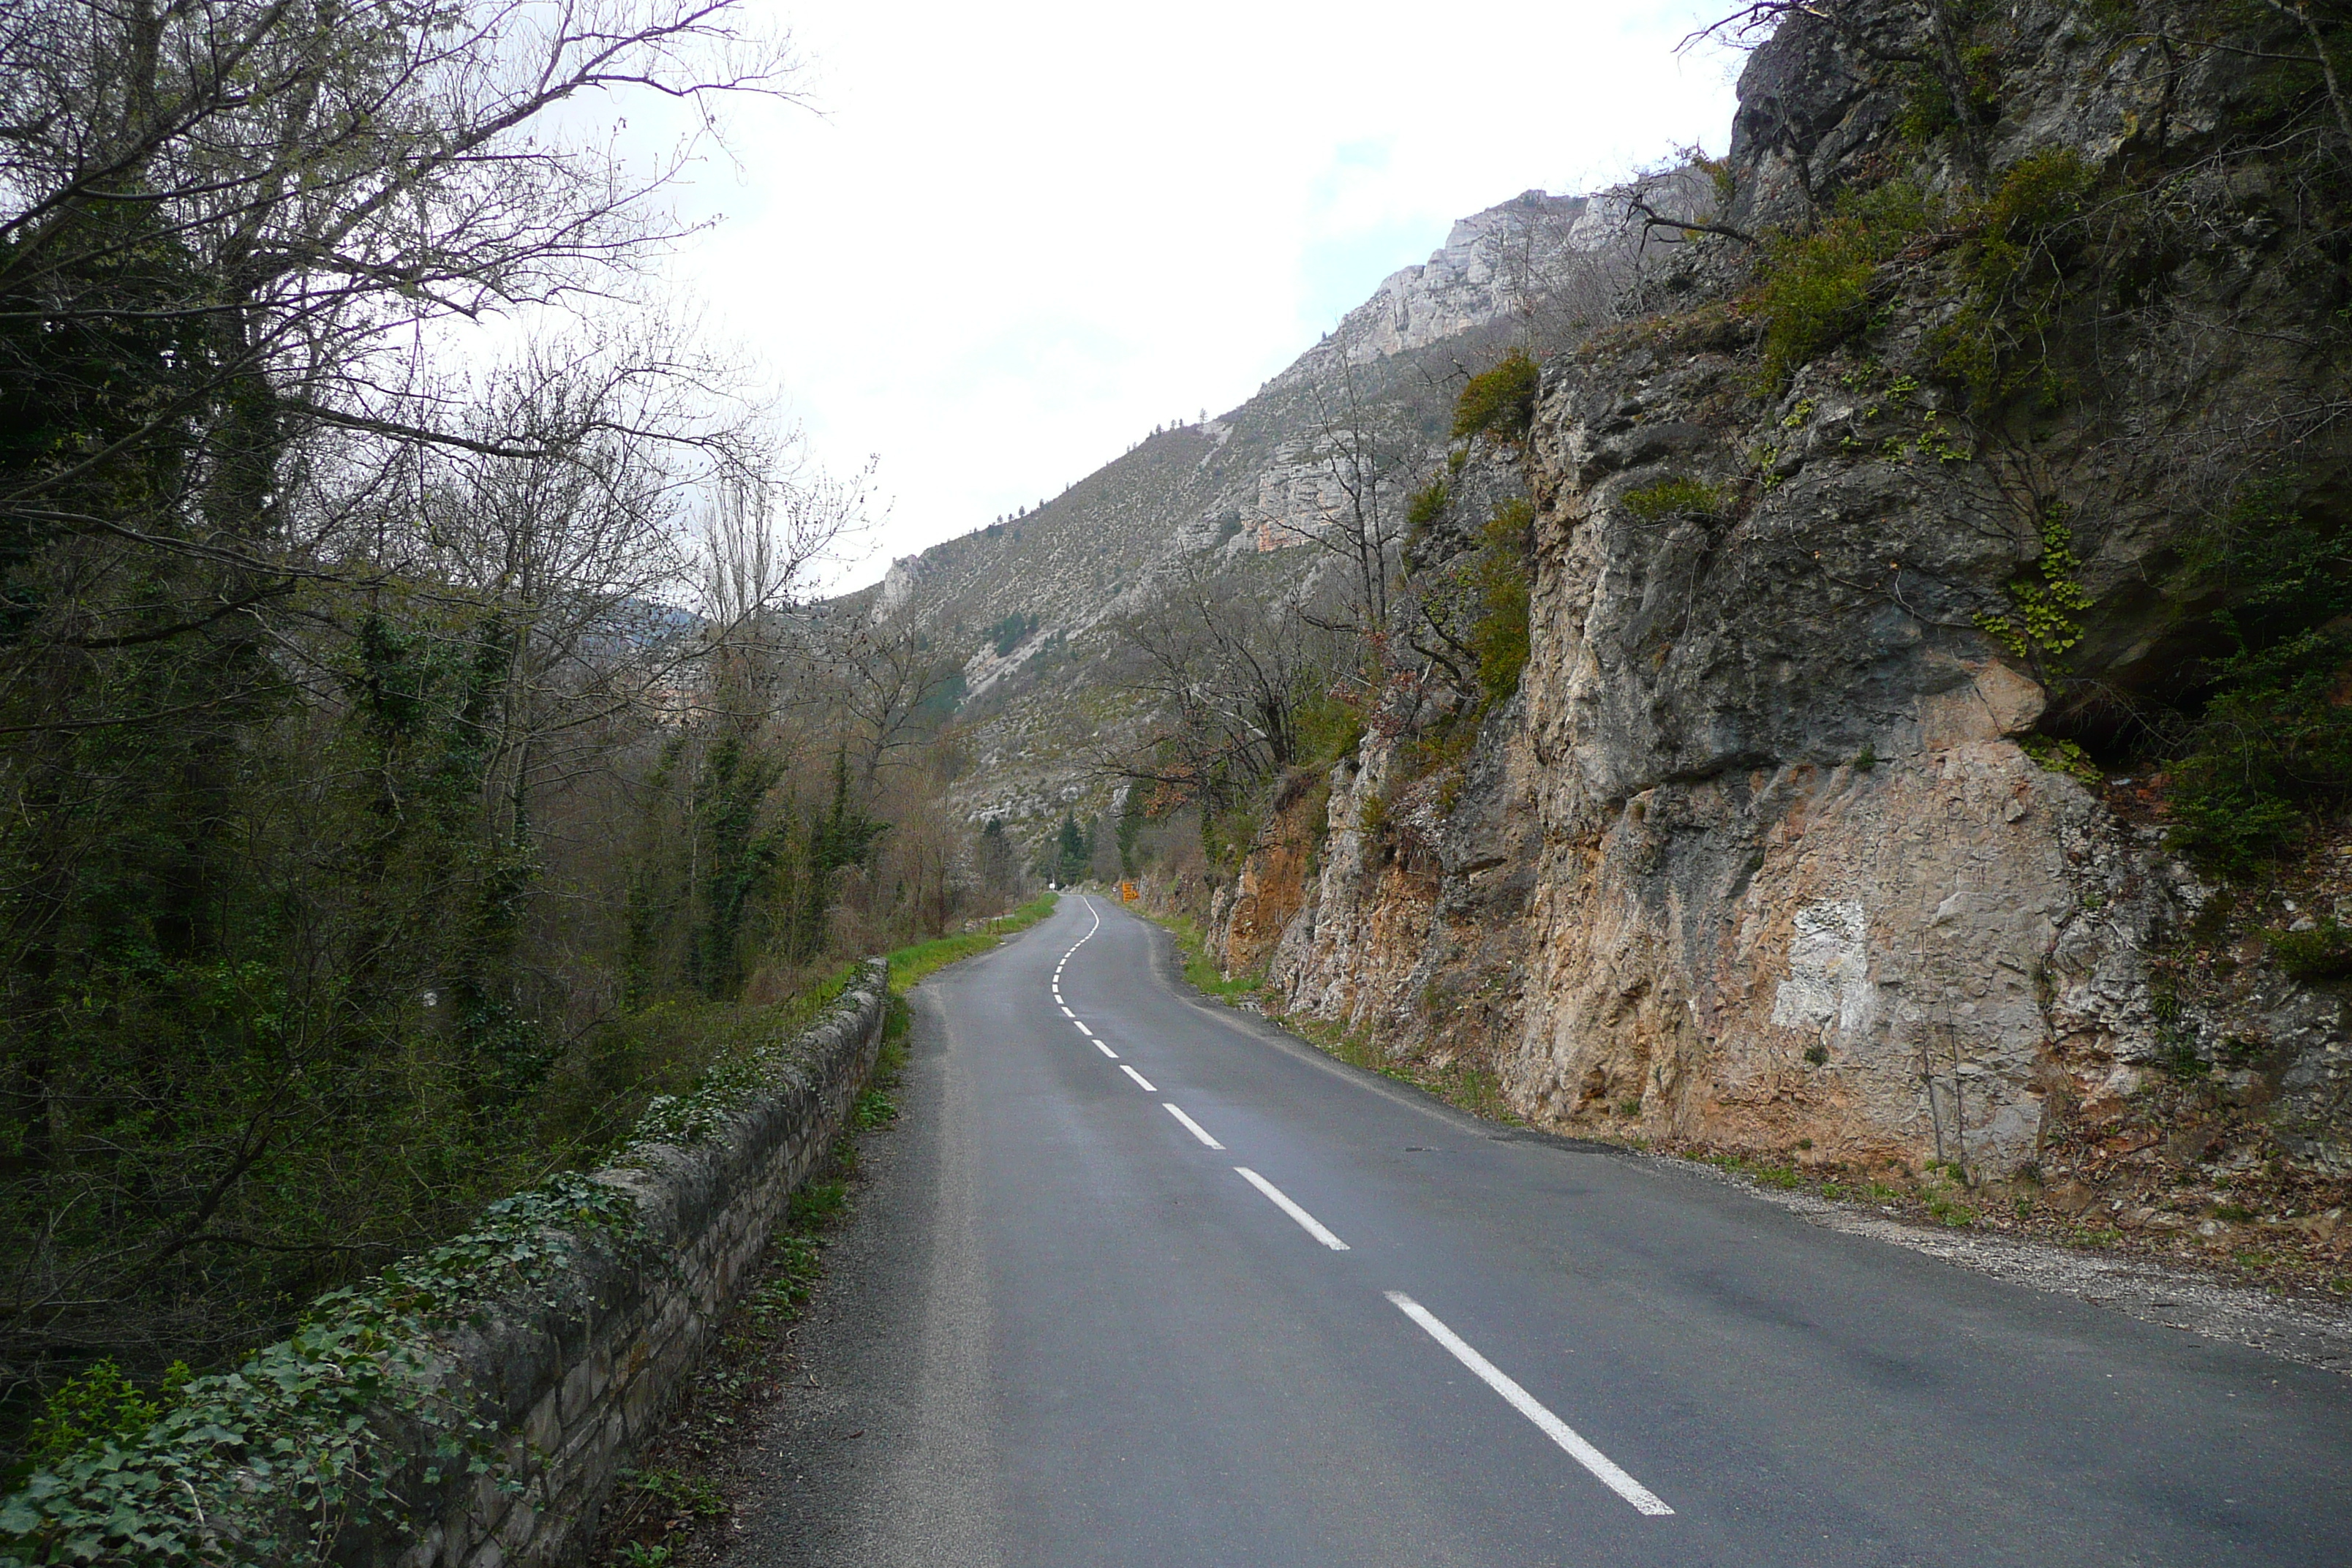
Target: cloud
point(1021, 236)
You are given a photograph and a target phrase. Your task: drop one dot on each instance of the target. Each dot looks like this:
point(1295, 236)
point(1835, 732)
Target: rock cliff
point(1762, 855)
point(1907, 494)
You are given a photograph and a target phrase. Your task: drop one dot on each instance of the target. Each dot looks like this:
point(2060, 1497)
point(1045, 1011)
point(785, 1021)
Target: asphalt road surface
point(1149, 1282)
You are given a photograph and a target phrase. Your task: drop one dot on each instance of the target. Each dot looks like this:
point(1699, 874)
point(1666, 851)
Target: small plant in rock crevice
point(2059, 755)
point(1671, 500)
point(2323, 952)
point(2040, 625)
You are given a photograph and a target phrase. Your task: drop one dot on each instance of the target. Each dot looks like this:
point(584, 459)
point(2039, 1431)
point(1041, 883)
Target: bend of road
point(1144, 1281)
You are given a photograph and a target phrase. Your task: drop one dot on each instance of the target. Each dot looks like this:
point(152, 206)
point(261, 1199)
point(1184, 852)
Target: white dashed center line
point(1573, 1443)
point(1307, 1222)
point(1194, 1128)
point(1525, 1404)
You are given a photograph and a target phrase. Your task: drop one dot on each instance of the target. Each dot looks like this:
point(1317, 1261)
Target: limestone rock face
point(1489, 263)
point(1756, 857)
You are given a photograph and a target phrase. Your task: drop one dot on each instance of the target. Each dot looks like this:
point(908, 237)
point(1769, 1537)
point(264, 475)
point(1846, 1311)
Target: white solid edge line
point(1138, 1077)
point(1307, 1222)
point(1525, 1404)
point(1106, 1051)
point(1194, 1128)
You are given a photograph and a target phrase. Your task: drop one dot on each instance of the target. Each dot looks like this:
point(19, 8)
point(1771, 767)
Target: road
point(1319, 1317)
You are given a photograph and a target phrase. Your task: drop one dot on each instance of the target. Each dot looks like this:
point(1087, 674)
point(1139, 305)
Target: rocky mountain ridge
point(1765, 855)
point(1881, 552)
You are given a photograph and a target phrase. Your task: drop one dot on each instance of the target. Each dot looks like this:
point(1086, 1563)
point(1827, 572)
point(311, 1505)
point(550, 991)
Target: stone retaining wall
point(573, 1379)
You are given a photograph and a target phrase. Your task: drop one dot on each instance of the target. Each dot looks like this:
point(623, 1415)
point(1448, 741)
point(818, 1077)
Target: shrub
point(1500, 635)
point(2323, 953)
point(1499, 403)
point(2274, 741)
point(1814, 292)
point(2014, 275)
point(1426, 505)
point(1927, 107)
point(1013, 631)
point(1324, 729)
point(1673, 498)
point(100, 1406)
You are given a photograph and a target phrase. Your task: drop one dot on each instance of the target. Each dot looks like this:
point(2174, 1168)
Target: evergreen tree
point(1074, 853)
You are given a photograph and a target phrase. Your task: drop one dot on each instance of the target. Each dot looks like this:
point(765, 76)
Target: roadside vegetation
point(908, 965)
point(414, 760)
point(707, 1459)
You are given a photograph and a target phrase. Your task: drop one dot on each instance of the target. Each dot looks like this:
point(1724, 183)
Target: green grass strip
point(909, 965)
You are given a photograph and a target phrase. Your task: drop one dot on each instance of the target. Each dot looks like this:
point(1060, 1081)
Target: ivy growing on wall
point(271, 1462)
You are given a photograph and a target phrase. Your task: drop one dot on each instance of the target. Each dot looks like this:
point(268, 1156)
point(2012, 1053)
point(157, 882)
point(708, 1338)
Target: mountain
point(1877, 702)
point(1033, 605)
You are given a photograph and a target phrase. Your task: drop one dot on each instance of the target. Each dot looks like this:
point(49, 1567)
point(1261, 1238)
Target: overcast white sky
point(1020, 235)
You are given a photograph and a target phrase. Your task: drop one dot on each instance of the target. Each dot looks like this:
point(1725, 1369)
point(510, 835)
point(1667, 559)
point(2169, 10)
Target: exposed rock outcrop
point(1757, 858)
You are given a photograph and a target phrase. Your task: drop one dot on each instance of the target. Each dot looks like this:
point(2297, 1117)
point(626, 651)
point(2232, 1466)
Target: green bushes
point(1499, 403)
point(2323, 953)
point(1673, 498)
point(1814, 291)
point(2273, 743)
point(1013, 629)
point(2014, 275)
point(1324, 729)
point(1426, 505)
point(87, 1412)
point(194, 1479)
point(1499, 634)
point(2011, 274)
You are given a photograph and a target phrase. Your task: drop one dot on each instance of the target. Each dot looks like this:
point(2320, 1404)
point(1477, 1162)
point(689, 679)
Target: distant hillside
point(1033, 602)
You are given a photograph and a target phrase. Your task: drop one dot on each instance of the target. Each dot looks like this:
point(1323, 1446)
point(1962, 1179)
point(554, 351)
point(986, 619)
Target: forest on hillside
point(417, 742)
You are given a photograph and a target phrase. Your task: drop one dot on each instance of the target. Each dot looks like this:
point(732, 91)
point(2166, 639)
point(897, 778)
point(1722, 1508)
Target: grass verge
point(1201, 972)
point(909, 965)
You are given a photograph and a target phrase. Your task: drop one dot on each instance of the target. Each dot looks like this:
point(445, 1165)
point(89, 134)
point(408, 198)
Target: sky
point(998, 244)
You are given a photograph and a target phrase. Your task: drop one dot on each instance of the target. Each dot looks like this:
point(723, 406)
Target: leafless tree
point(275, 209)
point(1225, 674)
point(890, 682)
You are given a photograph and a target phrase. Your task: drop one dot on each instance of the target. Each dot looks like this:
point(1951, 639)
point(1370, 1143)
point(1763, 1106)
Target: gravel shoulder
point(2298, 1328)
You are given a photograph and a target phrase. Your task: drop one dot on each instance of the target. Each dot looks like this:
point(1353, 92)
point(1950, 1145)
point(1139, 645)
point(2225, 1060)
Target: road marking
point(1138, 1077)
point(1307, 1222)
point(1073, 951)
point(1552, 1426)
point(1106, 1051)
point(1081, 1023)
point(1194, 1128)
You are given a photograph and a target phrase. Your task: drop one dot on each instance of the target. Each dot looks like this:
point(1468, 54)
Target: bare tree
point(262, 208)
point(1227, 675)
point(892, 681)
